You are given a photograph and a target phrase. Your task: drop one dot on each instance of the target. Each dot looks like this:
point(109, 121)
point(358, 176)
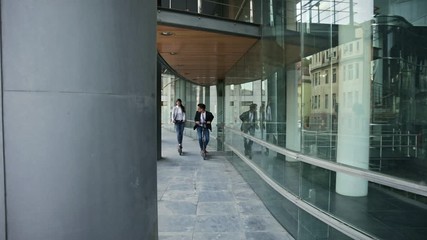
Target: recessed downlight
point(167, 33)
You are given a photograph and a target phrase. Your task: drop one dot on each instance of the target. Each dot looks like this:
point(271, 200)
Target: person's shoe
point(180, 146)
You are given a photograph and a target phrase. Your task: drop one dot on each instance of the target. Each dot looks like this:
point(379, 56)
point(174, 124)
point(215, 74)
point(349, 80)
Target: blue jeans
point(179, 128)
point(206, 135)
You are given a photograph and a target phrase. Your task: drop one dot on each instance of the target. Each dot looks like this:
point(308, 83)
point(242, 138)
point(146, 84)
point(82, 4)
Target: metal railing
point(320, 143)
point(239, 11)
point(401, 145)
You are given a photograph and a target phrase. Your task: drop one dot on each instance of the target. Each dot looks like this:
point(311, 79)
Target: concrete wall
point(79, 90)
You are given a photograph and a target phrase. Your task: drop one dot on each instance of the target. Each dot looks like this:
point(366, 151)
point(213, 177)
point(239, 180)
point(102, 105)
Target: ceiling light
point(167, 33)
point(172, 53)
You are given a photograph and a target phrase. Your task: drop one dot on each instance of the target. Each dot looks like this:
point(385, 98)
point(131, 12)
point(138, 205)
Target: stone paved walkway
point(208, 199)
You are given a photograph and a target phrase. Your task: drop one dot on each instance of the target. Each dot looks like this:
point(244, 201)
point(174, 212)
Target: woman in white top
point(178, 118)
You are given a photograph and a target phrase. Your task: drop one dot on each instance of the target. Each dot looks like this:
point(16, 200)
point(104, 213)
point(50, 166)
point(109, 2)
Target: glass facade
point(341, 94)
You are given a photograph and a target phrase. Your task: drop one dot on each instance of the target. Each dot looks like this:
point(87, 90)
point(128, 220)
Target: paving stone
point(268, 236)
point(175, 236)
point(217, 208)
point(216, 196)
point(176, 208)
point(208, 200)
point(219, 236)
point(216, 223)
point(265, 223)
point(175, 195)
point(213, 186)
point(176, 223)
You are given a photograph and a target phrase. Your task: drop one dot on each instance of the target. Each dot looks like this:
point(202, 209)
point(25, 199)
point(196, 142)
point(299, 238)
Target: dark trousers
point(247, 142)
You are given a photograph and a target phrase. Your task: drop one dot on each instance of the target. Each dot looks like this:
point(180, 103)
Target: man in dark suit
point(249, 125)
point(203, 120)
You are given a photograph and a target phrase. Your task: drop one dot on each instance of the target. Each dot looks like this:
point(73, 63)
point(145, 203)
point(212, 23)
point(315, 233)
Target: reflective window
point(344, 82)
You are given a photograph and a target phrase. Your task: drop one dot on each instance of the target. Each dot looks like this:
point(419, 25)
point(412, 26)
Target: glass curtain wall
point(338, 150)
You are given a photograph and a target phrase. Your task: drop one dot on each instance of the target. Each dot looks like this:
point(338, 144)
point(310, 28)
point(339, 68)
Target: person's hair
point(202, 106)
point(252, 106)
point(182, 106)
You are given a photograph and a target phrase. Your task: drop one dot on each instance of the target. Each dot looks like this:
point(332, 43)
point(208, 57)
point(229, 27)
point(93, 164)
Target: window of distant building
point(247, 89)
point(357, 70)
point(334, 75)
point(317, 78)
point(326, 76)
point(312, 102)
point(344, 99)
point(312, 82)
point(334, 99)
point(326, 101)
point(315, 102)
point(344, 71)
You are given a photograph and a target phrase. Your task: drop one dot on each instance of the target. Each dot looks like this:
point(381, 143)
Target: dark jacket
point(209, 118)
point(246, 124)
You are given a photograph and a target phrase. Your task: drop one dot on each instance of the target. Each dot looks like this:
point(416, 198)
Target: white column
point(353, 110)
point(293, 133)
point(199, 6)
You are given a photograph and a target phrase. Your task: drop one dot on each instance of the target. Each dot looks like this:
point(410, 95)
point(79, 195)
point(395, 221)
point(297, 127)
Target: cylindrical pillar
point(79, 87)
point(220, 118)
point(293, 130)
point(354, 109)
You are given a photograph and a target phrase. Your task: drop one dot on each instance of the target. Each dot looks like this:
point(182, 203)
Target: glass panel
point(373, 120)
point(281, 208)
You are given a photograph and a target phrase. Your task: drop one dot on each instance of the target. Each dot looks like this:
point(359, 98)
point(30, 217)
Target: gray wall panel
point(80, 140)
point(75, 46)
point(2, 178)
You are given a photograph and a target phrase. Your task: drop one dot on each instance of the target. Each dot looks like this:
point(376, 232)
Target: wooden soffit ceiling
point(201, 56)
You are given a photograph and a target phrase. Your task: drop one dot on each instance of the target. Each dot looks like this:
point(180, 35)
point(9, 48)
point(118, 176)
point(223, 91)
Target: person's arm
point(197, 118)
point(210, 119)
point(196, 121)
point(245, 117)
point(256, 120)
point(173, 115)
point(242, 117)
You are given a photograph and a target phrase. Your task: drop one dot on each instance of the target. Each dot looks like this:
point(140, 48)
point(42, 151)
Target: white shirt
point(203, 117)
point(178, 114)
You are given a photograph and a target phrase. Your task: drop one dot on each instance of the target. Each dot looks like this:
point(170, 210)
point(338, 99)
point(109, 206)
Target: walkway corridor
point(206, 200)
